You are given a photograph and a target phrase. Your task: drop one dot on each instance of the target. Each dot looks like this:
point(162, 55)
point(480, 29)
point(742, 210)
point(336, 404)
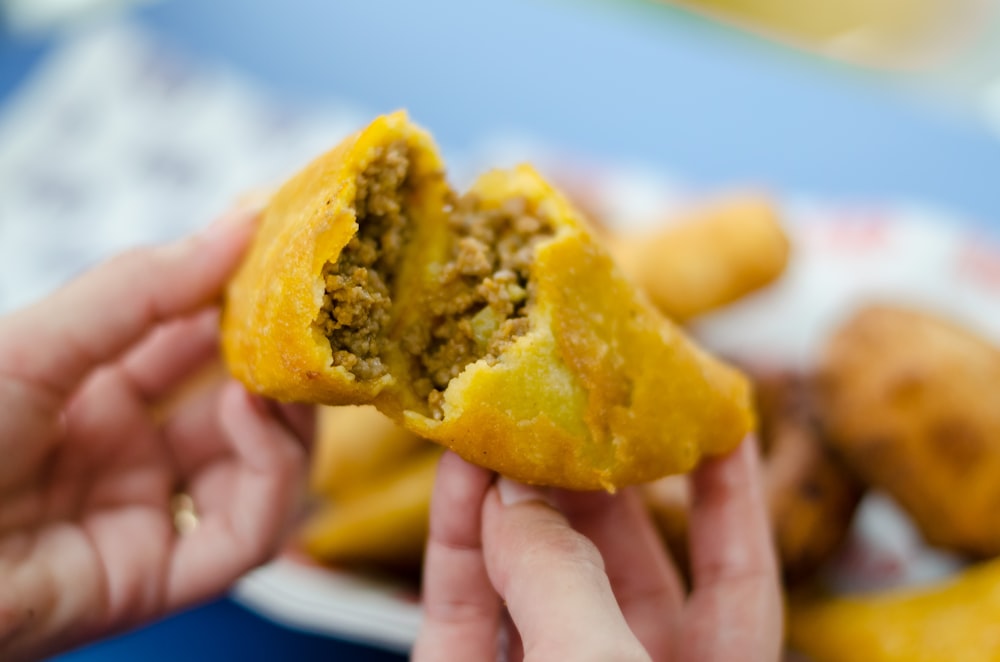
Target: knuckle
point(560, 544)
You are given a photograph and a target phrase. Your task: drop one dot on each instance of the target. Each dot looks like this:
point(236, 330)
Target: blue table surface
point(635, 83)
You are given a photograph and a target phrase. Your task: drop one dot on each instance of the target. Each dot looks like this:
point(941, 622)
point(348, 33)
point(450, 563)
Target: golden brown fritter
point(911, 402)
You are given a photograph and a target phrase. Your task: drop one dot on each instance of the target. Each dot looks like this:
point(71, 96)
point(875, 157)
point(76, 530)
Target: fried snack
point(384, 523)
point(811, 497)
point(355, 445)
point(492, 323)
point(955, 620)
point(910, 402)
point(717, 255)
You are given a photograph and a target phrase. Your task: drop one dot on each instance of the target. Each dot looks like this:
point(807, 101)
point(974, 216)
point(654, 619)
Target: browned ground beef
point(481, 302)
point(358, 285)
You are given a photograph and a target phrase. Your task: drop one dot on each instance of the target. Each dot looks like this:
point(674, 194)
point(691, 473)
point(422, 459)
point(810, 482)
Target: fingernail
point(512, 492)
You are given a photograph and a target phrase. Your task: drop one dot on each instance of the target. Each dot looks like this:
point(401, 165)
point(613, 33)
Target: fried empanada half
point(492, 323)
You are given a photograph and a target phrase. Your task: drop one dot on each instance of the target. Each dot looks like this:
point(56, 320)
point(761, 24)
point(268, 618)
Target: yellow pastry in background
point(354, 446)
point(713, 256)
point(956, 620)
point(910, 401)
point(385, 522)
point(492, 323)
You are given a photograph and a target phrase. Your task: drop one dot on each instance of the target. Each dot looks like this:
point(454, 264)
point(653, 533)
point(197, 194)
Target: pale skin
point(88, 544)
point(94, 444)
point(521, 574)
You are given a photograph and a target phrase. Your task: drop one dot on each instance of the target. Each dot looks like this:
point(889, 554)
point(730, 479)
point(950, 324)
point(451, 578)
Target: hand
point(584, 576)
point(88, 543)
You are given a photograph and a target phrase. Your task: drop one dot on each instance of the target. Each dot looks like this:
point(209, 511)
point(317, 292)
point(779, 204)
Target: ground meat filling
point(483, 292)
point(358, 285)
point(483, 295)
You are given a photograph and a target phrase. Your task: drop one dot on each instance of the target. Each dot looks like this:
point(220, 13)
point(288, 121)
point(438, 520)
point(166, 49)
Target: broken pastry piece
point(492, 323)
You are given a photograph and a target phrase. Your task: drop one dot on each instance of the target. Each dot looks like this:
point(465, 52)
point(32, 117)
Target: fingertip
point(253, 430)
point(726, 472)
point(458, 480)
point(459, 489)
point(241, 219)
point(452, 463)
point(234, 403)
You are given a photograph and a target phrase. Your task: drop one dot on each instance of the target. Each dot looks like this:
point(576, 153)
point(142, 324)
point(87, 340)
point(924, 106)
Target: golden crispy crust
point(909, 400)
point(268, 336)
point(601, 391)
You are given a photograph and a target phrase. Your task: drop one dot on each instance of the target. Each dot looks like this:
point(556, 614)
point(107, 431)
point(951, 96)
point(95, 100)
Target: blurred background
point(124, 122)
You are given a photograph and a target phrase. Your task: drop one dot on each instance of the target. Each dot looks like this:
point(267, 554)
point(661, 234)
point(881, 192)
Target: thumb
point(553, 580)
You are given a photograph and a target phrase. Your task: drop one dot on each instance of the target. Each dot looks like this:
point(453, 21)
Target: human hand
point(584, 576)
point(88, 543)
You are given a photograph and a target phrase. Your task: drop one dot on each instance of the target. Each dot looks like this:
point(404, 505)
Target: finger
point(553, 581)
point(193, 432)
point(171, 353)
point(461, 609)
point(735, 609)
point(111, 430)
point(510, 640)
point(242, 527)
point(104, 312)
point(299, 418)
point(643, 578)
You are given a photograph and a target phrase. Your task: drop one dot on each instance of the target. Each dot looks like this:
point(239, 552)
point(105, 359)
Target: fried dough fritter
point(910, 401)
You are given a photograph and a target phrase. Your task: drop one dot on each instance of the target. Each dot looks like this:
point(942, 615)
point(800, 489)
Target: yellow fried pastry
point(955, 620)
point(492, 323)
point(384, 522)
point(355, 445)
point(811, 497)
point(715, 256)
point(910, 402)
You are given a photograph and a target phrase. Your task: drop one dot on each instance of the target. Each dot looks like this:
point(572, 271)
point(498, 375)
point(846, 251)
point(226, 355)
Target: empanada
point(493, 323)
